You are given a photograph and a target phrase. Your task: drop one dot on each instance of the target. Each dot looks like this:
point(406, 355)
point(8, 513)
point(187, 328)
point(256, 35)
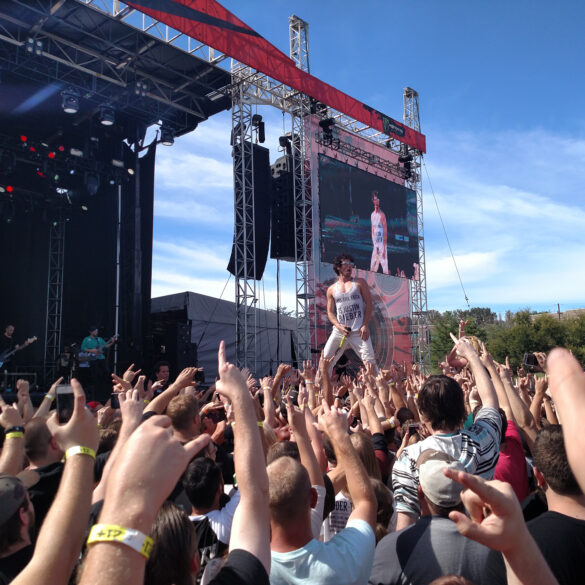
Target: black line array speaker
point(282, 237)
point(262, 179)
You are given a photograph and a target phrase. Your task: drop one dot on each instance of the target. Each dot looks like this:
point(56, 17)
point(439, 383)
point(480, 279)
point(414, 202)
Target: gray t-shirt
point(431, 548)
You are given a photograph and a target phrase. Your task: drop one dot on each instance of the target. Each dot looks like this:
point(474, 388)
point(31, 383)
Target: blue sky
point(501, 88)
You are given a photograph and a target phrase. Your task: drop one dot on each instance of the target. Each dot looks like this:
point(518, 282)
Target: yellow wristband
point(392, 424)
point(112, 533)
point(79, 450)
point(260, 424)
point(146, 401)
point(51, 398)
point(14, 435)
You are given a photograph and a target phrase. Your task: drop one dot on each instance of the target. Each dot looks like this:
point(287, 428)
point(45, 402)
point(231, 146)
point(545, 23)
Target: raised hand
point(308, 371)
point(81, 429)
point(231, 382)
point(130, 374)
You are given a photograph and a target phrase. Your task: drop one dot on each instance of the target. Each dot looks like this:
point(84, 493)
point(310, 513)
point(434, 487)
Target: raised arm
point(483, 382)
point(159, 404)
point(61, 536)
point(251, 526)
point(567, 386)
point(488, 361)
point(359, 486)
point(495, 520)
point(12, 456)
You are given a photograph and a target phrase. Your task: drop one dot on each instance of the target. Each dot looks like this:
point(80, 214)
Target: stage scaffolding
point(249, 88)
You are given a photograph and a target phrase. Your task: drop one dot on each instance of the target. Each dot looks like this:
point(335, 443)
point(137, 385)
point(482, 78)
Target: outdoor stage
point(86, 79)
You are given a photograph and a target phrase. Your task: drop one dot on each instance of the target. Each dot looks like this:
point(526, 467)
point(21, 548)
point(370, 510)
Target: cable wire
point(214, 309)
point(445, 232)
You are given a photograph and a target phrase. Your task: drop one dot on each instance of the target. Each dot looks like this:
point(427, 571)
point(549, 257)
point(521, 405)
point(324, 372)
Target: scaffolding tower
point(419, 316)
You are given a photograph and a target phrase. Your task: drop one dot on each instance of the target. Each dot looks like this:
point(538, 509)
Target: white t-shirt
point(345, 560)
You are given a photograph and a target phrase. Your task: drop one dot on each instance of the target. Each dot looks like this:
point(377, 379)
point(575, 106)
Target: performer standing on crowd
point(379, 236)
point(349, 308)
point(96, 346)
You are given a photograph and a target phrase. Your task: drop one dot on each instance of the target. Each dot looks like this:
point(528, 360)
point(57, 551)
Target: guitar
point(95, 355)
point(8, 353)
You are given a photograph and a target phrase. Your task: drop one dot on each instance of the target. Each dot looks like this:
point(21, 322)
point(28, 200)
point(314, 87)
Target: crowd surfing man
point(138, 539)
point(349, 308)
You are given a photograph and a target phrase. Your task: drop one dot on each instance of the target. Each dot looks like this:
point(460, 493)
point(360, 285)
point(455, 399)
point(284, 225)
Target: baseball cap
point(439, 489)
point(12, 496)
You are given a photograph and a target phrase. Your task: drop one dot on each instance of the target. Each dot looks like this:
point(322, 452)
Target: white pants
point(363, 348)
point(378, 257)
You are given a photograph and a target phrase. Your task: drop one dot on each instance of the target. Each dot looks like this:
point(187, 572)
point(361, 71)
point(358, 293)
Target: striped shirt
point(477, 448)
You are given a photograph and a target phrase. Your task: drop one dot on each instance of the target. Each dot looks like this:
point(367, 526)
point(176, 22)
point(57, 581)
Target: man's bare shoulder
point(361, 282)
point(331, 289)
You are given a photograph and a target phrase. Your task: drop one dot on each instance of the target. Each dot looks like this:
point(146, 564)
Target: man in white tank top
point(349, 308)
point(379, 236)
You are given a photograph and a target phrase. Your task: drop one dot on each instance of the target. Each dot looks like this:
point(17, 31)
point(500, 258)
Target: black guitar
point(8, 353)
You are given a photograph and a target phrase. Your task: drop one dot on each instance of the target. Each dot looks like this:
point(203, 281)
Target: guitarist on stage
point(95, 346)
point(8, 345)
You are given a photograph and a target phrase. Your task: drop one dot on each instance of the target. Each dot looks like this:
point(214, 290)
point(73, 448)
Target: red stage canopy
point(209, 22)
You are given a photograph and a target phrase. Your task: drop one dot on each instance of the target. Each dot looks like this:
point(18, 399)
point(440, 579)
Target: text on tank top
point(378, 227)
point(349, 306)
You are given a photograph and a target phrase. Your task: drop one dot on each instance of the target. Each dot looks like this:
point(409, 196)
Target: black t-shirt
point(561, 540)
point(241, 568)
point(11, 565)
point(43, 492)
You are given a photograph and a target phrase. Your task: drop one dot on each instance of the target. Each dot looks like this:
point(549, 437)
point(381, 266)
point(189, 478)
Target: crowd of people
point(391, 477)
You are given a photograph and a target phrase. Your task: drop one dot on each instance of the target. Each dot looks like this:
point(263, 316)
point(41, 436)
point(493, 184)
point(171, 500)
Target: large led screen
point(369, 217)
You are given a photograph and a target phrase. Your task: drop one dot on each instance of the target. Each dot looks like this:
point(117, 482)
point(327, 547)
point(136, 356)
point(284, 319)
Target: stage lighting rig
point(327, 126)
point(107, 116)
point(70, 101)
point(258, 123)
point(167, 136)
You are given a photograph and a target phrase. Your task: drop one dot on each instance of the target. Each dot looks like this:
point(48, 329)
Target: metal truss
point(303, 224)
point(158, 30)
point(54, 295)
point(110, 63)
point(362, 155)
point(420, 328)
point(244, 241)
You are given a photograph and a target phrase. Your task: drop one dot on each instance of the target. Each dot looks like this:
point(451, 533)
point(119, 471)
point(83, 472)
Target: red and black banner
point(209, 22)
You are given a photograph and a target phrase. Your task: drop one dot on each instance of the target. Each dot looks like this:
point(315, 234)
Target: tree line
point(513, 336)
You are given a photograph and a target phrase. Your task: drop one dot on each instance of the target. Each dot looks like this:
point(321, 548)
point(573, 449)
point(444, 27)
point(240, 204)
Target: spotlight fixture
point(117, 163)
point(107, 115)
point(76, 152)
point(167, 136)
point(70, 101)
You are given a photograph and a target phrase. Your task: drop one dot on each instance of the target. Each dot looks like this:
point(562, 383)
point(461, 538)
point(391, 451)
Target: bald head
point(289, 489)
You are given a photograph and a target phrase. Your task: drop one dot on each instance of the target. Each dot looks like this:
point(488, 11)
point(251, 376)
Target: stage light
point(30, 45)
point(70, 101)
point(76, 152)
point(141, 88)
point(107, 115)
point(61, 148)
point(9, 189)
point(92, 183)
point(84, 208)
point(167, 136)
point(117, 163)
point(327, 124)
point(51, 155)
point(23, 138)
point(130, 171)
point(2, 189)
